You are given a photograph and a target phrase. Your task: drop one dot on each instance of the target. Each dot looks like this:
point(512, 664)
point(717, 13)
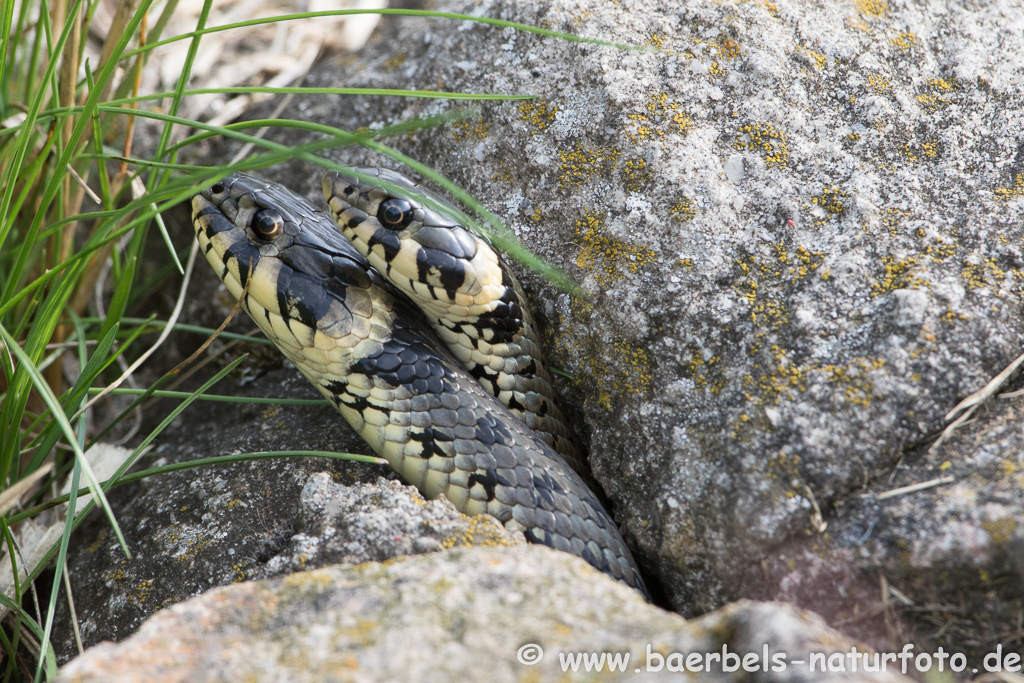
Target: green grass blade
point(207, 331)
point(54, 184)
point(180, 87)
point(401, 12)
point(73, 397)
point(28, 130)
point(62, 556)
point(221, 398)
point(193, 464)
point(130, 460)
point(51, 402)
point(6, 59)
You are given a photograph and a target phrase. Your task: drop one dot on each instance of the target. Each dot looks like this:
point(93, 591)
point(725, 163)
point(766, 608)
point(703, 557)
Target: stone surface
point(192, 530)
point(466, 615)
point(798, 226)
point(799, 231)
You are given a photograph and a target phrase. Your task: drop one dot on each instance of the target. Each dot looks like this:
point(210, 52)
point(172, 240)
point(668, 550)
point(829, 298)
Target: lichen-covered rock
point(373, 523)
point(508, 614)
point(798, 226)
point(192, 530)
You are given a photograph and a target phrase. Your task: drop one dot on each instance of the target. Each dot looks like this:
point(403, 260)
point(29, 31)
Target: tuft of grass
point(76, 210)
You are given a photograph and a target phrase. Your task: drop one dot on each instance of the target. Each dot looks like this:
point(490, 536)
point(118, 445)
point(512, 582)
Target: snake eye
point(267, 224)
point(395, 213)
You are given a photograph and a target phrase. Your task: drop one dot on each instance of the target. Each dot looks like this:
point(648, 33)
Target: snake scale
point(366, 347)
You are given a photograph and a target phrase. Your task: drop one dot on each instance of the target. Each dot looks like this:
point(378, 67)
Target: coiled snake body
point(366, 349)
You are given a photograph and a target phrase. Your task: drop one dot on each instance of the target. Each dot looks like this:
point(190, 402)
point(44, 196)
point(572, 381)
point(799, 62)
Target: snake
point(372, 354)
point(467, 290)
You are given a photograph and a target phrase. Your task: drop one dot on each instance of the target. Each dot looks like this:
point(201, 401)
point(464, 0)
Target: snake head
point(297, 267)
point(410, 234)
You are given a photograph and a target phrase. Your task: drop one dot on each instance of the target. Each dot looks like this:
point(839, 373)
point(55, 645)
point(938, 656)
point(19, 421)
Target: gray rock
point(468, 614)
point(364, 523)
point(192, 530)
point(798, 226)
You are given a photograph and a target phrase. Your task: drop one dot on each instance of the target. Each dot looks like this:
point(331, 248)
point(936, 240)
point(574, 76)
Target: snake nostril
point(217, 188)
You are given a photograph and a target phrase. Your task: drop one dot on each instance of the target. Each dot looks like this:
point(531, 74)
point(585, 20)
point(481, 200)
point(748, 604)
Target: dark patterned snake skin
point(372, 355)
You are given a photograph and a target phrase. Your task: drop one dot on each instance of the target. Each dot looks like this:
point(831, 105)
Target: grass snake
point(367, 348)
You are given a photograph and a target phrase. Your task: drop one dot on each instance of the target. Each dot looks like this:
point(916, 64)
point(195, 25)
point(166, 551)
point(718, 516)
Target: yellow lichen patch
point(783, 466)
point(766, 385)
point(536, 215)
point(239, 569)
point(859, 24)
point(982, 271)
point(141, 592)
point(501, 174)
point(766, 312)
point(934, 96)
point(305, 585)
point(606, 255)
point(766, 140)
point(659, 117)
point(683, 209)
point(538, 114)
point(478, 531)
point(907, 152)
point(905, 41)
point(395, 60)
point(782, 266)
point(769, 313)
point(655, 41)
point(635, 174)
point(633, 374)
point(706, 373)
point(728, 47)
point(831, 200)
point(1001, 531)
point(607, 373)
point(853, 380)
point(872, 8)
point(686, 263)
point(878, 84)
point(892, 219)
point(579, 165)
point(898, 275)
point(930, 150)
point(469, 130)
point(1007, 193)
point(819, 58)
point(950, 316)
point(716, 70)
point(853, 137)
point(769, 6)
